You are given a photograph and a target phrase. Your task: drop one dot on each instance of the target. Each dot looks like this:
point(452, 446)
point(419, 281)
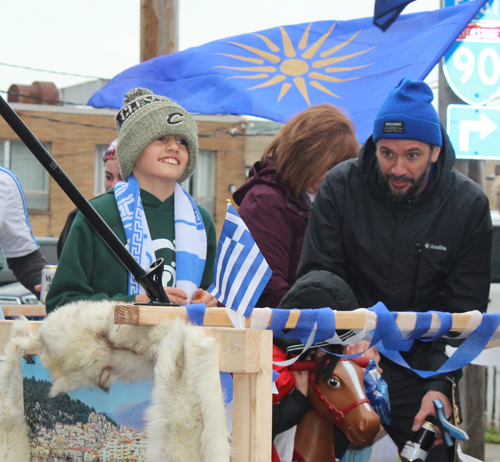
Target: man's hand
point(427, 408)
point(202, 296)
point(371, 353)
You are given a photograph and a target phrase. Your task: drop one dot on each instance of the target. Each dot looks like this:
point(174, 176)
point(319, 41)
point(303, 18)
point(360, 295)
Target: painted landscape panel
point(87, 425)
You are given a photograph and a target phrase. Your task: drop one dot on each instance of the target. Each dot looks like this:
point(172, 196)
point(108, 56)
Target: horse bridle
point(339, 415)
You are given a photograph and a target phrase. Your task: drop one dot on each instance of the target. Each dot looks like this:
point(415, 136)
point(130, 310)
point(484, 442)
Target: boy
point(157, 150)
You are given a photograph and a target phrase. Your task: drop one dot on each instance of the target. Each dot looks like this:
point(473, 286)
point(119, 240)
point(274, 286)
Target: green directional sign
point(474, 131)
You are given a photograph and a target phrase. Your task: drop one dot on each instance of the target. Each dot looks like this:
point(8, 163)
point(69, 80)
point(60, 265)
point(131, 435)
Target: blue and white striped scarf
point(190, 236)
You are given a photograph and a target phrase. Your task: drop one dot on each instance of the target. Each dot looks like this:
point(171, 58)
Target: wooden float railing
point(246, 353)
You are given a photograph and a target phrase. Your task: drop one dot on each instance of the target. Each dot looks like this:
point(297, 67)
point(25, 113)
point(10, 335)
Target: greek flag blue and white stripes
point(241, 271)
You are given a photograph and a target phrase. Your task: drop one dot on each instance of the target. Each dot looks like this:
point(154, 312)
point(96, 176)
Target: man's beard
point(412, 191)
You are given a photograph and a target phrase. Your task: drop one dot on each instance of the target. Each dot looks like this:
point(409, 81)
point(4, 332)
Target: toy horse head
point(337, 395)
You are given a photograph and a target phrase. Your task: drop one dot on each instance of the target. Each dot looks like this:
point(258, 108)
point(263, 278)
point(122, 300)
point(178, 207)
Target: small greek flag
point(241, 271)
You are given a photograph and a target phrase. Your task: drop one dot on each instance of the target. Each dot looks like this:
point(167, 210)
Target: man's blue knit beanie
point(408, 114)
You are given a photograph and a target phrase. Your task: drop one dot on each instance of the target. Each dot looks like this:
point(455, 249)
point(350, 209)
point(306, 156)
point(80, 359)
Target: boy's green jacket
point(89, 270)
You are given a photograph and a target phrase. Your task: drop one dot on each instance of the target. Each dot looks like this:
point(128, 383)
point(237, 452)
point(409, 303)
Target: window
point(32, 175)
point(99, 169)
point(201, 185)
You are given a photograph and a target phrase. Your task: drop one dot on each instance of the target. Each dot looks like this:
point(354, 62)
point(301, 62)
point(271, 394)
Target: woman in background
point(111, 177)
point(275, 200)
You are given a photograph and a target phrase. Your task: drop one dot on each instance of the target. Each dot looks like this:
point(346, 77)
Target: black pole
point(149, 280)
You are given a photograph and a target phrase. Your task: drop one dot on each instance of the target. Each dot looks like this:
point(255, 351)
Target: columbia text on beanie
point(144, 118)
point(408, 114)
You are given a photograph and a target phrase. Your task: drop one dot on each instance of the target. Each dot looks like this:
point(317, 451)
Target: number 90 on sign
point(472, 70)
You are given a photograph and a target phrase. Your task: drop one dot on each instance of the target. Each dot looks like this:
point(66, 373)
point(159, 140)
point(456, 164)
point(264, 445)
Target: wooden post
point(159, 28)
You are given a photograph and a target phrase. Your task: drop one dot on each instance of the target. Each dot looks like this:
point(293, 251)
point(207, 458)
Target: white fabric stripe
point(370, 324)
point(236, 318)
point(222, 255)
point(245, 267)
point(306, 347)
point(260, 318)
point(407, 323)
point(238, 248)
point(474, 322)
point(259, 274)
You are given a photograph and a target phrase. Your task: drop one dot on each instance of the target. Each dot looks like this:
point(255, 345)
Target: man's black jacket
point(430, 253)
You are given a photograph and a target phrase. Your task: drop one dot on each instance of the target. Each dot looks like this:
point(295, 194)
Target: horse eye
point(333, 382)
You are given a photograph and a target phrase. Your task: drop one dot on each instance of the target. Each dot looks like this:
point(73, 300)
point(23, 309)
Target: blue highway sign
point(472, 63)
point(474, 131)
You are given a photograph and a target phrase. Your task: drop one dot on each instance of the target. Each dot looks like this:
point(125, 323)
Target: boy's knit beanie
point(408, 114)
point(144, 118)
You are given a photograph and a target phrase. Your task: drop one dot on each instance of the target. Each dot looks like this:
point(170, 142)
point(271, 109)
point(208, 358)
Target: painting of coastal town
point(87, 425)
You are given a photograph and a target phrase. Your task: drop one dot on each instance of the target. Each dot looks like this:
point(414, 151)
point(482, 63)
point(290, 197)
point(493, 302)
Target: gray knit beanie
point(144, 118)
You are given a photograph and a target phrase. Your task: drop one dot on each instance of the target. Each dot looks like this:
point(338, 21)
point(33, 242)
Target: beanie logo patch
point(134, 106)
point(171, 121)
point(394, 127)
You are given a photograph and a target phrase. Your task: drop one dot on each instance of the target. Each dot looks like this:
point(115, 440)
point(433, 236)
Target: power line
point(65, 121)
point(52, 72)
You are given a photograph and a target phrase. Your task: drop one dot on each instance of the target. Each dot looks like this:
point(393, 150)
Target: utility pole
point(472, 387)
point(159, 28)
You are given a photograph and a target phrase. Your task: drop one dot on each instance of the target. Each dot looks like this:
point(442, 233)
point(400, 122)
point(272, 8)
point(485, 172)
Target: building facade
point(77, 136)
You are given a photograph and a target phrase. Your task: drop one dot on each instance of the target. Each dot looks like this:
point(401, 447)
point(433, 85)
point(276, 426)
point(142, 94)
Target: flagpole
point(150, 280)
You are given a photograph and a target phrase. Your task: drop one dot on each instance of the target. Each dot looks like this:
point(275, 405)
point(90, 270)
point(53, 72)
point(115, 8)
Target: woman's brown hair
point(310, 144)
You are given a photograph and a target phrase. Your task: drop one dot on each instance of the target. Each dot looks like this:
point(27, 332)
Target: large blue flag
point(387, 11)
point(279, 72)
point(241, 271)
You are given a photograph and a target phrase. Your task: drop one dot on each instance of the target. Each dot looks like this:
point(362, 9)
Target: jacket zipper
point(418, 252)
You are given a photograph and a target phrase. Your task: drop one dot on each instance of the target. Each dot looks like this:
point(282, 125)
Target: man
point(400, 225)
point(16, 238)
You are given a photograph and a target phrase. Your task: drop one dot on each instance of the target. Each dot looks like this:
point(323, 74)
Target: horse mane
point(326, 366)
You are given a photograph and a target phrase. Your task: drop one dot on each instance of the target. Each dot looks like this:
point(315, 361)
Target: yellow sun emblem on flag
point(301, 70)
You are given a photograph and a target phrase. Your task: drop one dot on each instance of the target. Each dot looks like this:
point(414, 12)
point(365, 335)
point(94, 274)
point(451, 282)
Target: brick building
point(77, 136)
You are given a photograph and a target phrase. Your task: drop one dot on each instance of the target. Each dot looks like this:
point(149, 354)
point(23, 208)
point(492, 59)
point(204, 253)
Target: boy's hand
point(175, 295)
point(371, 353)
point(302, 381)
point(202, 296)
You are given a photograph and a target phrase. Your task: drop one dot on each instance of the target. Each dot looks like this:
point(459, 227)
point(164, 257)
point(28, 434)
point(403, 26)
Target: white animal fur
point(186, 420)
point(14, 442)
point(82, 347)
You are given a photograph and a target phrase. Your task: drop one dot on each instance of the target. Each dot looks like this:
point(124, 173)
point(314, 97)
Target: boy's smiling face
point(164, 159)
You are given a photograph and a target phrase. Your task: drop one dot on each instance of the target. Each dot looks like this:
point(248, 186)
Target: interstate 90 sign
point(472, 64)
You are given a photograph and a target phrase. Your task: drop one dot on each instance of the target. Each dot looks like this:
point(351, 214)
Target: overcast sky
point(101, 37)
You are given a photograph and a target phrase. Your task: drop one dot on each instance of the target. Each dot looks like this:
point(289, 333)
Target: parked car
point(13, 292)
point(48, 247)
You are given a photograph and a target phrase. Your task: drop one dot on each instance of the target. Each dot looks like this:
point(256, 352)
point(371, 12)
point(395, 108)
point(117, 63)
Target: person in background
point(275, 200)
point(157, 150)
point(401, 226)
point(111, 177)
point(18, 245)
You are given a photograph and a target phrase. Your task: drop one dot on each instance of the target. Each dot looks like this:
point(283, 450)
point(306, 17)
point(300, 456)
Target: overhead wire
point(53, 72)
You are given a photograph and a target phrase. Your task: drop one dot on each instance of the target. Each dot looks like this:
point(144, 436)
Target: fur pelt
point(14, 441)
point(82, 347)
point(186, 420)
